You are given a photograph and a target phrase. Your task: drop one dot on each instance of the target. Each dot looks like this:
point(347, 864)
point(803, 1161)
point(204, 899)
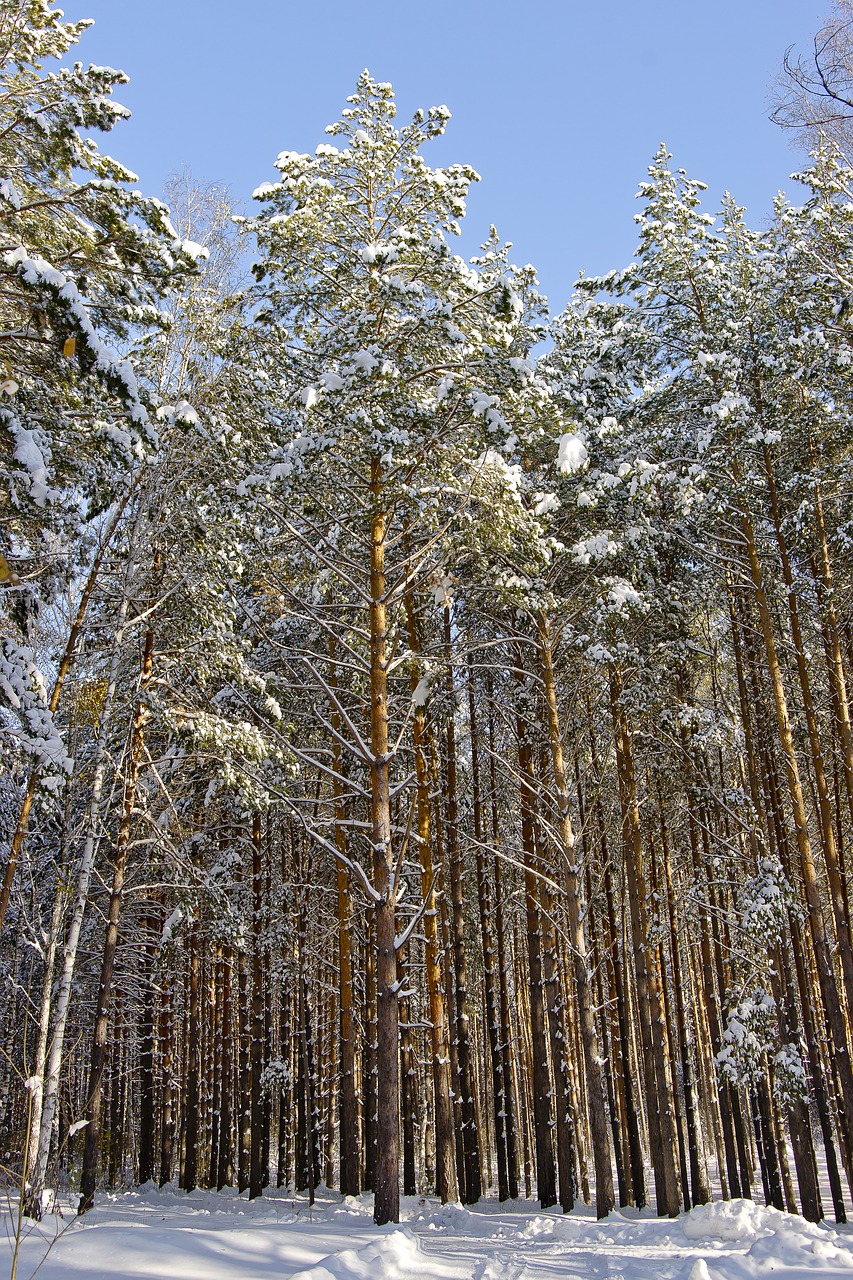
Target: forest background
point(427, 752)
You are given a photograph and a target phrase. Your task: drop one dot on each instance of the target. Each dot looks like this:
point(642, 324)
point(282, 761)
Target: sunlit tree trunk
point(604, 1198)
point(387, 1190)
point(490, 974)
point(120, 854)
point(546, 1179)
point(662, 1137)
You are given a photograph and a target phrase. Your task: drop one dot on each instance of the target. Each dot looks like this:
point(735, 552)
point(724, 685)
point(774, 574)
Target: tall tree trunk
point(546, 1179)
point(370, 1073)
point(408, 1099)
point(659, 960)
point(662, 1136)
point(632, 1120)
point(472, 1181)
point(347, 1093)
point(256, 1169)
point(147, 1119)
point(446, 1183)
point(799, 1121)
point(50, 1088)
point(387, 1192)
point(244, 1073)
point(831, 632)
point(699, 1185)
point(33, 1198)
point(225, 1144)
point(558, 1019)
point(490, 977)
point(97, 1063)
point(604, 1197)
point(192, 1047)
point(167, 1058)
point(510, 1113)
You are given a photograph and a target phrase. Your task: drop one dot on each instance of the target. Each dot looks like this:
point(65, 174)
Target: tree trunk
point(508, 1118)
point(604, 1197)
point(446, 1183)
point(546, 1179)
point(99, 1040)
point(147, 1127)
point(490, 978)
point(699, 1184)
point(387, 1192)
point(50, 1090)
point(662, 1136)
point(256, 1169)
point(472, 1182)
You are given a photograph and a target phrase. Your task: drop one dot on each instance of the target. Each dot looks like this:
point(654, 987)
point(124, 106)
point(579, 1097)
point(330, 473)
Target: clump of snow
point(196, 252)
point(23, 687)
point(793, 1245)
point(184, 412)
point(539, 1228)
point(421, 692)
point(447, 1217)
point(171, 925)
point(622, 595)
point(9, 193)
point(599, 546)
point(730, 1220)
point(510, 475)
point(598, 653)
point(572, 453)
point(544, 503)
point(441, 587)
point(365, 360)
point(396, 1256)
point(28, 453)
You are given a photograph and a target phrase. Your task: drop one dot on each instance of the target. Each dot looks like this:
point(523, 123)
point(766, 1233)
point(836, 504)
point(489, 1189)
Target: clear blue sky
point(559, 105)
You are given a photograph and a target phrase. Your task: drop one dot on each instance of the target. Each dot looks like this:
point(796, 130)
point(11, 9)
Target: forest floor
point(209, 1235)
point(167, 1235)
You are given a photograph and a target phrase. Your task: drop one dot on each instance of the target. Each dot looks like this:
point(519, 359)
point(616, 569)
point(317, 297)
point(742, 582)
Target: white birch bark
point(49, 1086)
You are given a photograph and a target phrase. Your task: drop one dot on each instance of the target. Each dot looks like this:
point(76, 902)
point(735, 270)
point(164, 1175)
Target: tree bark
point(597, 1108)
point(99, 1040)
point(662, 1135)
point(387, 1191)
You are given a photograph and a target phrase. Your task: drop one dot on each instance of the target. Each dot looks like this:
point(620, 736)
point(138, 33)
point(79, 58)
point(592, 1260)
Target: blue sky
point(558, 105)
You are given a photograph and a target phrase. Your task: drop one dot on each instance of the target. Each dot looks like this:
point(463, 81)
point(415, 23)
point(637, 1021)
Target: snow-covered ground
point(166, 1235)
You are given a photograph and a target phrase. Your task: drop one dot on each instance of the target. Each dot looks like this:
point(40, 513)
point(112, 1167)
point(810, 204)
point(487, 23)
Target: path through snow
point(166, 1235)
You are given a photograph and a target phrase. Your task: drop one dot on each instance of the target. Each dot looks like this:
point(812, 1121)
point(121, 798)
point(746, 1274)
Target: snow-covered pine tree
point(85, 261)
point(387, 356)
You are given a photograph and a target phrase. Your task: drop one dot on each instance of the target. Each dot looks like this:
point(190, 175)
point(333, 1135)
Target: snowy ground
point(166, 1235)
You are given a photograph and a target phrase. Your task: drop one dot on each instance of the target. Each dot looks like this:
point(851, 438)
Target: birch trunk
point(38, 1173)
